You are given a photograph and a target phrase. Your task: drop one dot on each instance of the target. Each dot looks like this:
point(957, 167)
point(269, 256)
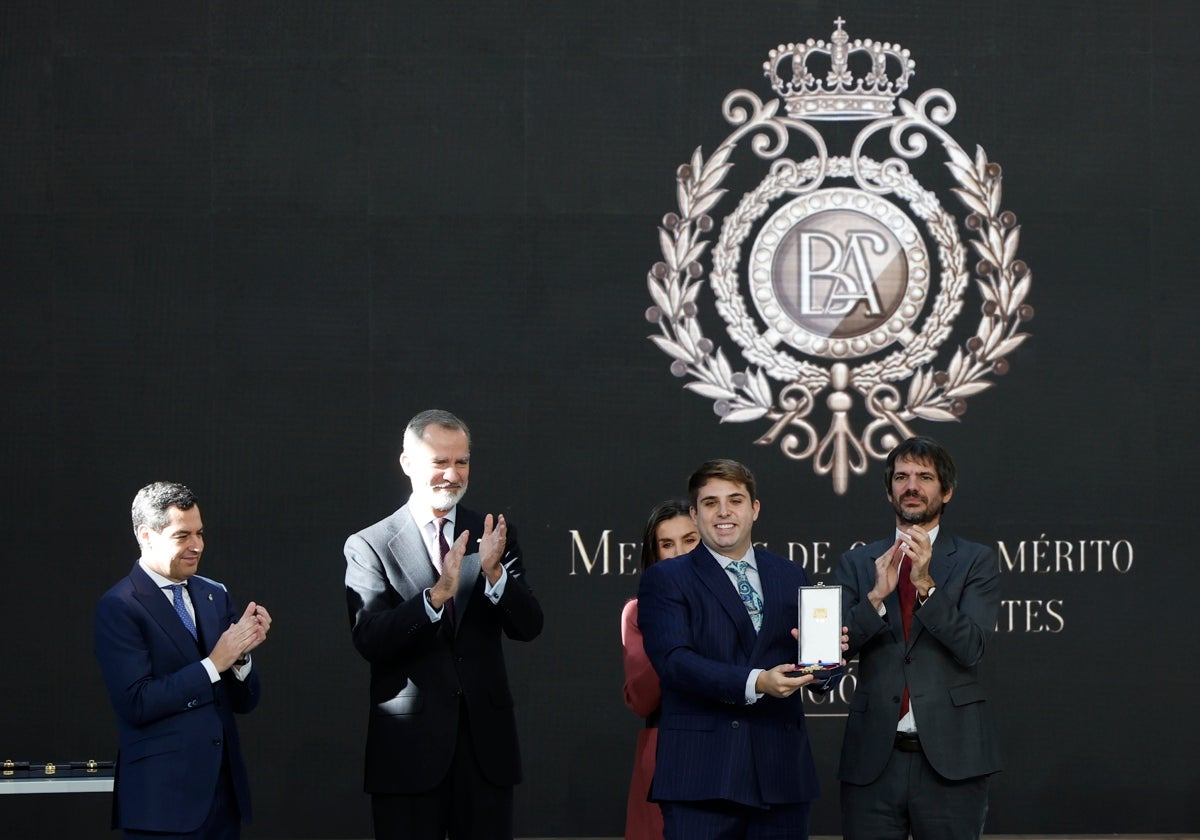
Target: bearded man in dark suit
point(919, 742)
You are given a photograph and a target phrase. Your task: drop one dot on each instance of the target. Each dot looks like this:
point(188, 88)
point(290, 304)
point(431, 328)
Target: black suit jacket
point(939, 663)
point(174, 723)
point(423, 672)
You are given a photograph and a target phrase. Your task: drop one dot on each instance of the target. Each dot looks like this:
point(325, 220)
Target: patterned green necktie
point(749, 595)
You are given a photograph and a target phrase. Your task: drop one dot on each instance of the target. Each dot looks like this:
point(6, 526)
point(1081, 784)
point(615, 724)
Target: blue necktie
point(749, 595)
point(181, 609)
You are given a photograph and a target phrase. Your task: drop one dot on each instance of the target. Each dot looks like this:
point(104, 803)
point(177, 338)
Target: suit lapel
point(411, 571)
point(891, 602)
point(941, 565)
point(152, 599)
point(778, 603)
point(941, 568)
point(710, 570)
point(203, 601)
point(468, 575)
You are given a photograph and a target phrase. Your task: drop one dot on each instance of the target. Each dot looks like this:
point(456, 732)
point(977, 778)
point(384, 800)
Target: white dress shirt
point(908, 723)
point(429, 530)
point(751, 696)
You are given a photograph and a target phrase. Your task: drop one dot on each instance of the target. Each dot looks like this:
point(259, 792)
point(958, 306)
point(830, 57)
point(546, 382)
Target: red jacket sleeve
point(642, 692)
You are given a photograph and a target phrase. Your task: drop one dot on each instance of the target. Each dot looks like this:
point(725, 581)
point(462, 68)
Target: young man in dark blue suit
point(175, 656)
point(719, 627)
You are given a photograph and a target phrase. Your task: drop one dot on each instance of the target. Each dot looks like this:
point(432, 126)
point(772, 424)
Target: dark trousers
point(464, 805)
point(721, 820)
point(910, 796)
point(224, 821)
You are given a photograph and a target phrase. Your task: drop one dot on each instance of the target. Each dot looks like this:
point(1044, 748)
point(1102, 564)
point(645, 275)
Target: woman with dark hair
point(670, 531)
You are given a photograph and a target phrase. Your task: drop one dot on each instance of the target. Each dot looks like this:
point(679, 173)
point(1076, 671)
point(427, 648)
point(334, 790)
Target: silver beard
point(446, 498)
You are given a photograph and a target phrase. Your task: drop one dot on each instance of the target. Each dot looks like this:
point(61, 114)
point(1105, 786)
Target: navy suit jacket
point(174, 723)
point(939, 663)
point(422, 672)
point(700, 639)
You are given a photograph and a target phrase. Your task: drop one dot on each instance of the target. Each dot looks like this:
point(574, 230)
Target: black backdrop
point(242, 242)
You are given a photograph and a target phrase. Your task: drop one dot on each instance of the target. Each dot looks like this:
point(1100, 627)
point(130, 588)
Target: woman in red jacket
point(670, 531)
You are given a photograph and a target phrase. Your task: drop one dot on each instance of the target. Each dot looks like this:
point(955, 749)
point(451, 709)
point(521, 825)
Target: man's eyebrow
point(738, 494)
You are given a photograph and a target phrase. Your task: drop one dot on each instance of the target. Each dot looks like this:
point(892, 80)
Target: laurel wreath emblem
point(935, 393)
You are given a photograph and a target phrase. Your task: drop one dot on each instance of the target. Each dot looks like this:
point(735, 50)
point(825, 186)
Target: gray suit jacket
point(939, 663)
point(423, 674)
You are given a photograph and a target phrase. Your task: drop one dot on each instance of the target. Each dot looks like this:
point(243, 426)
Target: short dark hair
point(924, 450)
point(151, 503)
point(722, 468)
point(435, 417)
point(658, 515)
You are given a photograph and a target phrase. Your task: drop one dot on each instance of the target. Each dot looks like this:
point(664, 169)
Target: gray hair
point(434, 417)
point(151, 503)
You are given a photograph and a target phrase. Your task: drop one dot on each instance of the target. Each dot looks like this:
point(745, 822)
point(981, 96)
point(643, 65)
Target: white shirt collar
point(428, 520)
point(725, 561)
point(933, 532)
point(159, 580)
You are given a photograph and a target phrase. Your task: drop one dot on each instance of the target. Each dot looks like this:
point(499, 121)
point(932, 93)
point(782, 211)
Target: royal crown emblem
point(840, 276)
point(838, 94)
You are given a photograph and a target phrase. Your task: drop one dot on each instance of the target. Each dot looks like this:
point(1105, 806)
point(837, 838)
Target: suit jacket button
point(735, 724)
point(895, 699)
point(216, 742)
point(907, 659)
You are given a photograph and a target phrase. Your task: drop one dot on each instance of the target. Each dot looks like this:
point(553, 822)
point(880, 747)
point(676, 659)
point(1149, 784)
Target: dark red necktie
point(443, 550)
point(908, 599)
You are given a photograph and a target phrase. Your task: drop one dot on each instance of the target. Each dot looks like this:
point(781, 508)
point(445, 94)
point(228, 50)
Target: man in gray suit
point(430, 589)
point(919, 743)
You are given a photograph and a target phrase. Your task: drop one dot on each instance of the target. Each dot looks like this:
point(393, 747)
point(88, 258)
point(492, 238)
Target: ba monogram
point(853, 271)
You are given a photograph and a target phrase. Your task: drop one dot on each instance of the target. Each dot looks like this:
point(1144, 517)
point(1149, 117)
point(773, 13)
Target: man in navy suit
point(431, 590)
point(719, 627)
point(921, 605)
point(175, 656)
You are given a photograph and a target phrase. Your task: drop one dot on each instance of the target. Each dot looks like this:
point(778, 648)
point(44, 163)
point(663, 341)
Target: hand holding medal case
point(820, 626)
